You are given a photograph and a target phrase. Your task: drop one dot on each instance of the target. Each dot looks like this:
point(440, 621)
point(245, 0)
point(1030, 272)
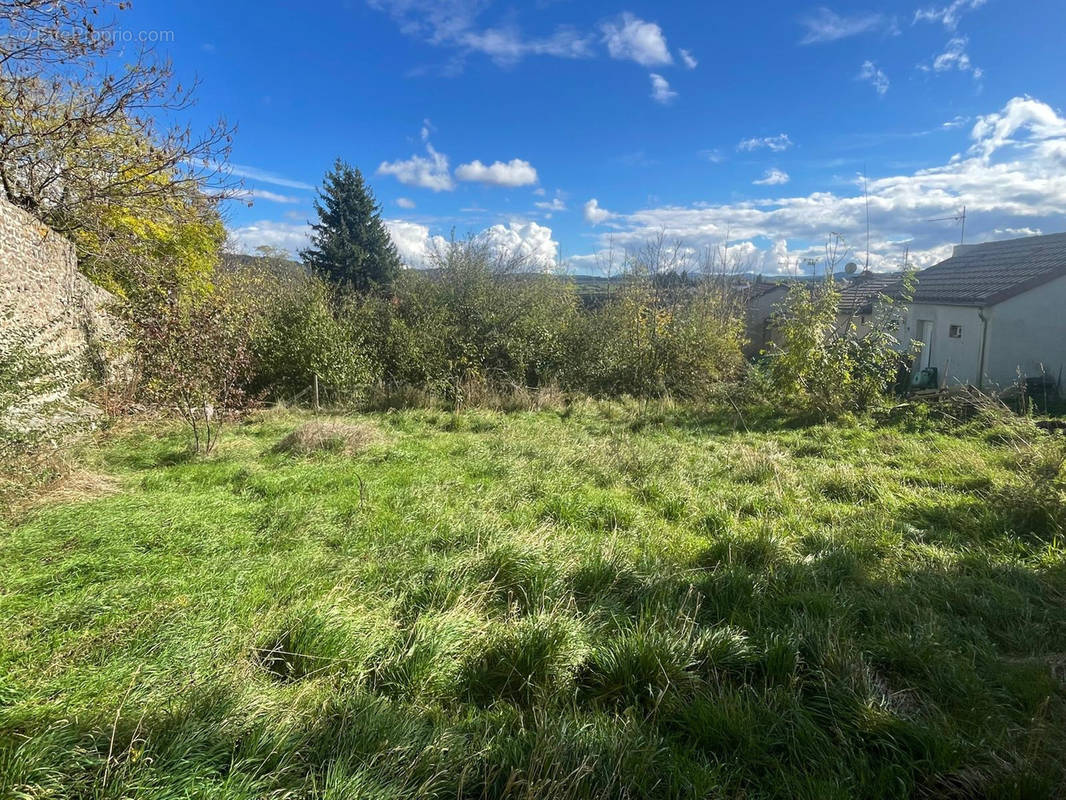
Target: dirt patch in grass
point(329, 436)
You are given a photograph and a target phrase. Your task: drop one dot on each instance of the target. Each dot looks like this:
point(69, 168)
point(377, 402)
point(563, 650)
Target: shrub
point(649, 342)
point(304, 328)
point(823, 365)
point(476, 319)
point(193, 353)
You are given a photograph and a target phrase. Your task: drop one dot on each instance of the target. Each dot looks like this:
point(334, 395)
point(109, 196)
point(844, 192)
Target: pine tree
point(350, 245)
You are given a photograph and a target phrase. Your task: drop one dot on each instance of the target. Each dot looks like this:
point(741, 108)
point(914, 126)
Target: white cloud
point(954, 56)
point(688, 59)
point(427, 129)
point(551, 206)
point(515, 172)
point(661, 91)
point(413, 242)
point(266, 194)
point(773, 177)
point(948, 15)
point(455, 24)
point(289, 236)
point(428, 172)
point(872, 73)
point(526, 241)
point(506, 45)
point(405, 202)
point(263, 176)
point(1044, 128)
point(825, 25)
point(594, 214)
point(714, 155)
point(1013, 177)
point(777, 144)
point(630, 38)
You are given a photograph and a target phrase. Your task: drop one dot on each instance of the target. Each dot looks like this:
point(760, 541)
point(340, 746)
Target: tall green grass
point(614, 601)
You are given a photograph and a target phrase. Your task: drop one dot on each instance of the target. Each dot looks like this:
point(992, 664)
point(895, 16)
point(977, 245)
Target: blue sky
point(566, 128)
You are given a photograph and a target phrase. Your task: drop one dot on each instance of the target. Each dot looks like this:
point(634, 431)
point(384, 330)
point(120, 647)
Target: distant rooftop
point(858, 295)
point(984, 274)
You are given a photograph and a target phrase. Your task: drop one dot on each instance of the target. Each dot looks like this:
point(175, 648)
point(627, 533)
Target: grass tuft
point(329, 436)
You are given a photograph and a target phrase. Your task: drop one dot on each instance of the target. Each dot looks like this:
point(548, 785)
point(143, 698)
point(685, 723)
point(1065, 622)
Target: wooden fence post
point(316, 393)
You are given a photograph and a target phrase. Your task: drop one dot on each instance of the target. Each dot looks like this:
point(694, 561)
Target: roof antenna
point(960, 218)
point(866, 197)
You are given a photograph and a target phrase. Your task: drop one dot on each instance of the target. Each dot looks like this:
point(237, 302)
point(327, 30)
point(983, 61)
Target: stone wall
point(41, 288)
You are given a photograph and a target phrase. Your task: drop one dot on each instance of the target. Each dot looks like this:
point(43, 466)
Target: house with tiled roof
point(992, 315)
point(860, 295)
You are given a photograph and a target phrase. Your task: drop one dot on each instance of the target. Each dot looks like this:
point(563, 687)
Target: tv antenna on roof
point(960, 218)
point(866, 198)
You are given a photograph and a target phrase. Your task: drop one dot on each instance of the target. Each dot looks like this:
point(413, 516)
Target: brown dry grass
point(329, 436)
point(75, 486)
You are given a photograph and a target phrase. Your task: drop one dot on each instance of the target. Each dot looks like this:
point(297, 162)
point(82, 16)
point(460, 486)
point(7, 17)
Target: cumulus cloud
point(874, 75)
point(661, 91)
point(288, 236)
point(630, 38)
point(772, 177)
point(515, 172)
point(825, 25)
point(414, 243)
point(428, 172)
point(688, 59)
point(777, 144)
point(594, 215)
point(405, 202)
point(528, 242)
point(1012, 177)
point(1042, 127)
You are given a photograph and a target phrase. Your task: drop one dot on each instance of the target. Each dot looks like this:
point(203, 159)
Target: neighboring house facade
point(762, 300)
point(993, 314)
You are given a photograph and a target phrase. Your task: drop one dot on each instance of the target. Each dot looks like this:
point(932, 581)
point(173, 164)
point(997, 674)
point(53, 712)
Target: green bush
point(308, 329)
point(476, 319)
point(648, 342)
point(824, 365)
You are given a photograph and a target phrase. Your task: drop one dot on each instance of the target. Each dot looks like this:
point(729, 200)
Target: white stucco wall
point(957, 360)
point(1027, 334)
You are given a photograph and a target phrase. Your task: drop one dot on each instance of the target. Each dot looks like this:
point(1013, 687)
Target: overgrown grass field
point(616, 601)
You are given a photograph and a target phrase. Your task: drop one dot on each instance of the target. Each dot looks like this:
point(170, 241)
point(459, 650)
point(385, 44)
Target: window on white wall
point(955, 331)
